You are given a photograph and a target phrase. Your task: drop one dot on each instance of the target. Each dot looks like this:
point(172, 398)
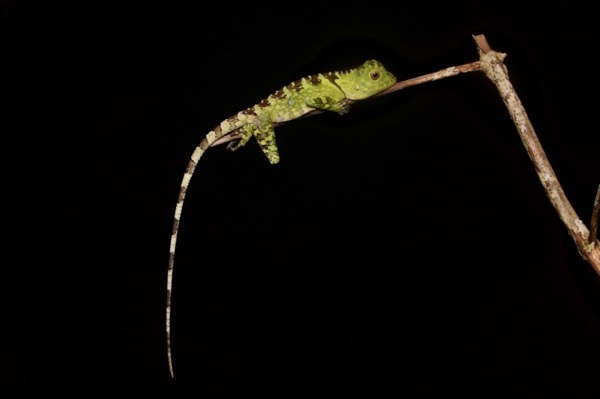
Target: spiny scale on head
point(327, 91)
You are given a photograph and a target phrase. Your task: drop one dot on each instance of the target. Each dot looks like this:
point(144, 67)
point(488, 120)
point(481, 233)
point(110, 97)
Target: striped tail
point(227, 126)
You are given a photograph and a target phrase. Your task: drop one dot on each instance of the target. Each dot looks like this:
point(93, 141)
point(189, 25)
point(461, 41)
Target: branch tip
point(482, 44)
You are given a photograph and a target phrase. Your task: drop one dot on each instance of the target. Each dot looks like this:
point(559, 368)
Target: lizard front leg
point(327, 103)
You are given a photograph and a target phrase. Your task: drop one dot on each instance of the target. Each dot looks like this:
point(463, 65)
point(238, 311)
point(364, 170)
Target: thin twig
point(430, 77)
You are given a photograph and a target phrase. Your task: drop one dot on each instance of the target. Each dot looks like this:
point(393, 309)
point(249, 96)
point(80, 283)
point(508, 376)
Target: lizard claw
point(344, 108)
point(233, 145)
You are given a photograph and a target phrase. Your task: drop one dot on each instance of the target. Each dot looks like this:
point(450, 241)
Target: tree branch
point(493, 67)
point(491, 63)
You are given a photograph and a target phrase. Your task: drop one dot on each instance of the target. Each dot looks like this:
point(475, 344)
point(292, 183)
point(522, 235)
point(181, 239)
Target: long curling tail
point(198, 152)
point(211, 137)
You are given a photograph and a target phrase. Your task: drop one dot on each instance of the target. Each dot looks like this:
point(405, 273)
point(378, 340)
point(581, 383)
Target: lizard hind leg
point(244, 138)
point(265, 137)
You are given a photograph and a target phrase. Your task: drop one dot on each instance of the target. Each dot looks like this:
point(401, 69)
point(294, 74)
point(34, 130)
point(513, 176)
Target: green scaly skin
point(327, 92)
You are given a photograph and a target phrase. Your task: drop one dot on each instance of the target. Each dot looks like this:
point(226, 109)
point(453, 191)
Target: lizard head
point(365, 81)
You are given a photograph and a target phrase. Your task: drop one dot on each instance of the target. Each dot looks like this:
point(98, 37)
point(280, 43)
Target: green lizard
point(327, 92)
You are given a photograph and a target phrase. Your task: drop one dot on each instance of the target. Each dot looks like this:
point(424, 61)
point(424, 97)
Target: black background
point(406, 249)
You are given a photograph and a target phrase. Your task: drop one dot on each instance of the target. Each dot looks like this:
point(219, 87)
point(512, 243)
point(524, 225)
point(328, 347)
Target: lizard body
point(327, 92)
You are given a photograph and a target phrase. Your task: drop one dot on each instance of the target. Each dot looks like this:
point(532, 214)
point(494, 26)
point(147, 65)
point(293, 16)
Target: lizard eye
point(375, 75)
